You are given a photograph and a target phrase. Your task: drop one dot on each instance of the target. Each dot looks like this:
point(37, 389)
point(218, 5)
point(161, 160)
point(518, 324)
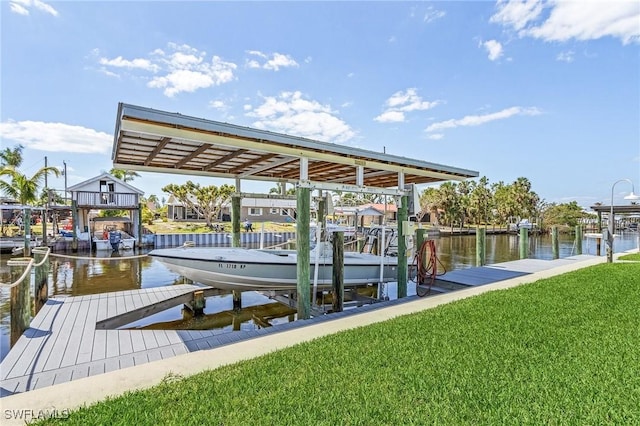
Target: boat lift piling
point(21, 309)
point(337, 278)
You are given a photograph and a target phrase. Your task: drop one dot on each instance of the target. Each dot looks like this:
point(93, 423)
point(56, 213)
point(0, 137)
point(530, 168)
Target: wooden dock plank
point(137, 340)
point(125, 344)
point(113, 343)
point(99, 345)
point(39, 358)
point(120, 306)
point(16, 362)
point(71, 351)
point(148, 336)
point(65, 333)
point(112, 308)
point(86, 346)
point(161, 338)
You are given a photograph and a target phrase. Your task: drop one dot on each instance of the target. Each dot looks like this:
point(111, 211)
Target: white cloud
point(493, 48)
point(476, 120)
point(517, 14)
point(401, 102)
point(218, 105)
point(567, 56)
point(566, 20)
point(432, 14)
point(56, 137)
point(273, 62)
point(19, 9)
point(22, 7)
point(435, 136)
point(390, 117)
point(182, 68)
point(120, 62)
point(292, 114)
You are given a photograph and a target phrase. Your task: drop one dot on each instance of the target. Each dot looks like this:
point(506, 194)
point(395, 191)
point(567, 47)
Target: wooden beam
point(224, 159)
point(193, 155)
point(156, 150)
point(251, 163)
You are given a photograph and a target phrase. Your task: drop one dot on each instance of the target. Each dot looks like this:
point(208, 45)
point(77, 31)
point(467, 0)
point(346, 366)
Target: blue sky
point(545, 90)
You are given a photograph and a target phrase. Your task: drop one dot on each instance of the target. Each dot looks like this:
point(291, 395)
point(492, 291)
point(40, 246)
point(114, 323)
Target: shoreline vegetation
point(562, 350)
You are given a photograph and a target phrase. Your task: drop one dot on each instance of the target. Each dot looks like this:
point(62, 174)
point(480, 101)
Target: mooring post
point(27, 232)
point(555, 245)
point(402, 247)
point(524, 243)
point(41, 287)
point(337, 278)
point(44, 227)
point(198, 303)
point(578, 239)
point(481, 239)
point(420, 239)
point(20, 300)
point(235, 221)
point(74, 220)
point(237, 300)
point(303, 252)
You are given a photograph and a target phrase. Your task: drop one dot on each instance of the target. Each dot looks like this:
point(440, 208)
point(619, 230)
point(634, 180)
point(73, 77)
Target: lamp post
point(631, 196)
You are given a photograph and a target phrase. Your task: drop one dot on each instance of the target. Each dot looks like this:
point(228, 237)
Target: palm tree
point(23, 188)
point(124, 175)
point(11, 157)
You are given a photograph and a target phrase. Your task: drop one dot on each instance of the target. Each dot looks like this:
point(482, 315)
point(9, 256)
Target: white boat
point(103, 241)
point(111, 233)
point(257, 269)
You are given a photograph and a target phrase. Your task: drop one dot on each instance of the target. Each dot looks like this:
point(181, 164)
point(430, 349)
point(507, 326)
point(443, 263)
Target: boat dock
point(77, 337)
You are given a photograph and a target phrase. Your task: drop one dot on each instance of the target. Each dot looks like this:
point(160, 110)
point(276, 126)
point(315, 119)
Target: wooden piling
point(74, 219)
point(524, 243)
point(481, 237)
point(27, 232)
point(303, 252)
point(41, 286)
point(555, 244)
point(578, 239)
point(420, 239)
point(20, 300)
point(198, 303)
point(237, 300)
point(337, 279)
point(402, 248)
point(235, 221)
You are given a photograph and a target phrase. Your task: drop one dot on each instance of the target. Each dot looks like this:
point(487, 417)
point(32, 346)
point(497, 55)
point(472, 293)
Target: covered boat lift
point(150, 140)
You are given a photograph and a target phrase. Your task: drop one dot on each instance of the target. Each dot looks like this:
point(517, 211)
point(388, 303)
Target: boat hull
point(250, 269)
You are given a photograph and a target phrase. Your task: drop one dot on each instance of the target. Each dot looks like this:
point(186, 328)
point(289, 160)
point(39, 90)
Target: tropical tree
point(124, 175)
point(11, 157)
point(23, 188)
point(565, 214)
point(480, 201)
point(450, 203)
point(207, 201)
point(429, 203)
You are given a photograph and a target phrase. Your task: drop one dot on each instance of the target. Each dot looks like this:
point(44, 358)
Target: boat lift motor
point(114, 239)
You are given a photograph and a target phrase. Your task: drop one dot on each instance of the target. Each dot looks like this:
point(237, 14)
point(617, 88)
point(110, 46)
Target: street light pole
point(631, 196)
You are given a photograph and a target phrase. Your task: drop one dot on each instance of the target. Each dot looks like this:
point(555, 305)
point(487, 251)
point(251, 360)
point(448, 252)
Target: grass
point(563, 350)
point(632, 256)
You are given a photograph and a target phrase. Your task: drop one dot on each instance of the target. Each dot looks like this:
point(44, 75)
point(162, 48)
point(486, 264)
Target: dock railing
point(21, 309)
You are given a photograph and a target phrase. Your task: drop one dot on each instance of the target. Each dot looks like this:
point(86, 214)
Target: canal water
point(82, 275)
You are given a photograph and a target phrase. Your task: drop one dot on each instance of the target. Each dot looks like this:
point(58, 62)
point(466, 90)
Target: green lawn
point(564, 350)
point(632, 256)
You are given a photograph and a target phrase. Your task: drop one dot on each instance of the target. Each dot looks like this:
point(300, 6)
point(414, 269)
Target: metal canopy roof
point(157, 141)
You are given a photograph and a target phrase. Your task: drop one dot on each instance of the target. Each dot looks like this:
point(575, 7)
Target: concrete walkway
point(58, 399)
